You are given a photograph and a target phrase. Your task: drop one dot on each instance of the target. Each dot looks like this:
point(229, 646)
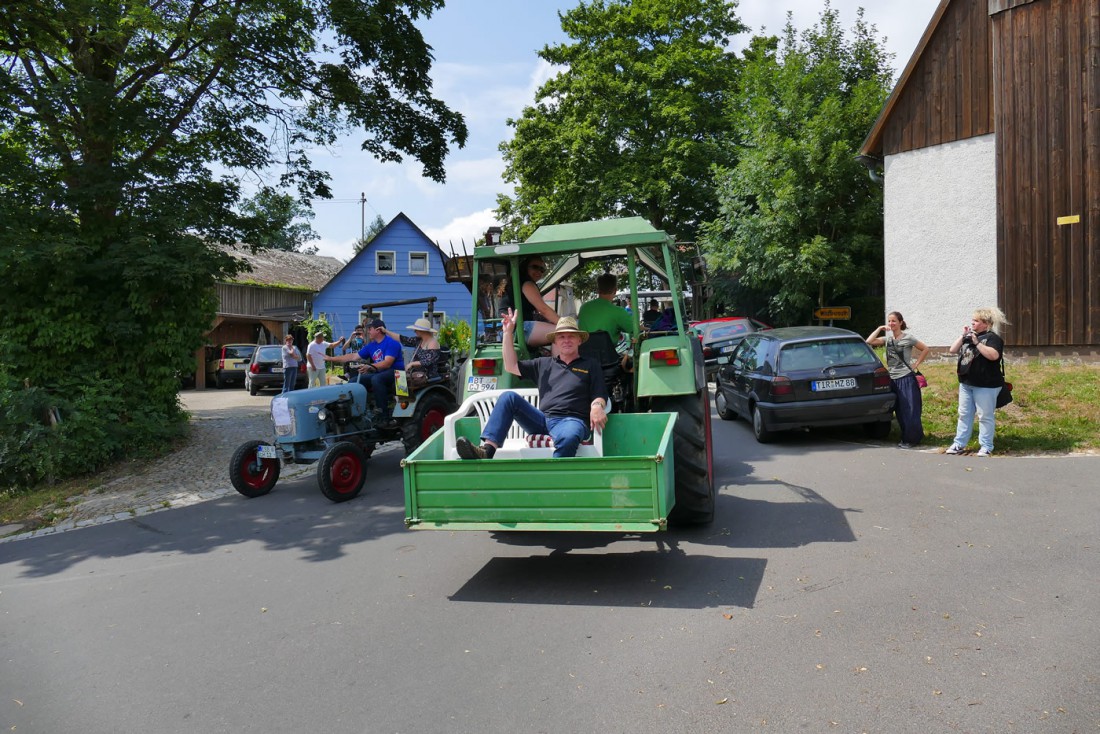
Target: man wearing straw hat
point(572, 395)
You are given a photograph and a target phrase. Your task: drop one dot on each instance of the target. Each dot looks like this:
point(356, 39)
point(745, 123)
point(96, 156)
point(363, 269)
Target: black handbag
point(1004, 397)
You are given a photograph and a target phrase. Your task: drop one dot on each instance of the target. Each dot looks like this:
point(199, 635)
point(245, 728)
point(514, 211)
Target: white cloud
point(467, 228)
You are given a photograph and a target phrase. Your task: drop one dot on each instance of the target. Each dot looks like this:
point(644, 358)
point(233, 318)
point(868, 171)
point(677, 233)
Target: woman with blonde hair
point(899, 345)
point(980, 349)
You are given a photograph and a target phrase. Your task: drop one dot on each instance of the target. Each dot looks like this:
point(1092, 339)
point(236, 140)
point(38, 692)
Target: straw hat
point(423, 325)
point(568, 325)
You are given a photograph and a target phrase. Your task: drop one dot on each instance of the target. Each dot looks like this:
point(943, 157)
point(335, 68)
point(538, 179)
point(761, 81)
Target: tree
point(112, 116)
point(376, 225)
point(632, 123)
point(799, 218)
point(280, 222)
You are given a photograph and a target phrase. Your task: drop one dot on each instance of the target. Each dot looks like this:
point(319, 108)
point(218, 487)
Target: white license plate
point(847, 383)
point(481, 384)
point(264, 451)
point(728, 348)
point(277, 370)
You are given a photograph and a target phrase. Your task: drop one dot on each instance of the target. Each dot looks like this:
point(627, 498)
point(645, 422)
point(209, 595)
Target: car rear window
point(270, 354)
point(239, 352)
point(724, 331)
point(816, 355)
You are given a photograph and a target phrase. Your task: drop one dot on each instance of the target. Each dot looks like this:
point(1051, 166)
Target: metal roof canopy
point(583, 241)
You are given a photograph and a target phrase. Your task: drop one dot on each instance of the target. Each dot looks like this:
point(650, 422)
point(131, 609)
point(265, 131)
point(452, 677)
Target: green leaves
point(799, 219)
point(631, 123)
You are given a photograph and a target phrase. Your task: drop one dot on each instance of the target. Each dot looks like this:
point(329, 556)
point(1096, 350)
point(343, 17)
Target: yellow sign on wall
point(829, 313)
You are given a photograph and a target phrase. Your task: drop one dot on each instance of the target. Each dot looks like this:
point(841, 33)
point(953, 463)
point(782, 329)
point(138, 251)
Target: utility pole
point(362, 216)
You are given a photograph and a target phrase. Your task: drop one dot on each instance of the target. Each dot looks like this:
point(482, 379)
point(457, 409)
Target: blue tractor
point(332, 425)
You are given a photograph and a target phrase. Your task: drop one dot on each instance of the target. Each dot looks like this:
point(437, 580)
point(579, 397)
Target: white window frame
point(393, 262)
point(365, 316)
point(419, 255)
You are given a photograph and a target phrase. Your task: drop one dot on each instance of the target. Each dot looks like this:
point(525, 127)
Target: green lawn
point(1055, 408)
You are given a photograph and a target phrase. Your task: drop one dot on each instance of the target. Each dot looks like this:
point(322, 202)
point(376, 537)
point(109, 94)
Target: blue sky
point(486, 66)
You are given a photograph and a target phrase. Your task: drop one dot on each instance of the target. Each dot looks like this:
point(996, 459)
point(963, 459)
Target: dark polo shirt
point(565, 389)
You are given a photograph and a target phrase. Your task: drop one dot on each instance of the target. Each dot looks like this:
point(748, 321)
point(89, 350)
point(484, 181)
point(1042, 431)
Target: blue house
point(399, 263)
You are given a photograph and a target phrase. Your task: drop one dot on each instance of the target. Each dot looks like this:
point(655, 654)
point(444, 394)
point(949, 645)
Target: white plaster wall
point(941, 236)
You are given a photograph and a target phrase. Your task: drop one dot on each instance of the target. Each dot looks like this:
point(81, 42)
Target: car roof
point(806, 333)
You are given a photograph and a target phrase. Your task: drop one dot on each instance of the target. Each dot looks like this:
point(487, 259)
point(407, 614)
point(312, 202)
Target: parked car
point(265, 370)
point(803, 377)
point(721, 336)
point(227, 363)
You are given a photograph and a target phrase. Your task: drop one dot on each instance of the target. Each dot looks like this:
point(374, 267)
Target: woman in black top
point(980, 349)
point(538, 318)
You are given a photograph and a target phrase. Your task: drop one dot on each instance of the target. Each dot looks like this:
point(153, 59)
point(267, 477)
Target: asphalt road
point(844, 587)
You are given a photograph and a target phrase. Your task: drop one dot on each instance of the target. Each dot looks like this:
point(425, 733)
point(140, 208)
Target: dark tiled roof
point(282, 268)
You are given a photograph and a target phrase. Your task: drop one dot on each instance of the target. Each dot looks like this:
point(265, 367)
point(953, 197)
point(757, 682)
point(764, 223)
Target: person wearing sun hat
point(427, 354)
point(572, 394)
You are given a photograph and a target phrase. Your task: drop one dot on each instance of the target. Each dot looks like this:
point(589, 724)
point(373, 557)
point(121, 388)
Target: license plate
point(263, 451)
point(728, 348)
point(277, 370)
point(481, 384)
point(847, 383)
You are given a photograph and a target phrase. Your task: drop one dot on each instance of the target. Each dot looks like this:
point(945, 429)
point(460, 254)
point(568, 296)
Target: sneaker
point(468, 451)
point(904, 445)
point(984, 453)
point(954, 449)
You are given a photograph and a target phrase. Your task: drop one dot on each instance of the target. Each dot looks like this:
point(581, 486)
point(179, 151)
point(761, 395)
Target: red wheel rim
point(347, 474)
point(251, 477)
point(433, 421)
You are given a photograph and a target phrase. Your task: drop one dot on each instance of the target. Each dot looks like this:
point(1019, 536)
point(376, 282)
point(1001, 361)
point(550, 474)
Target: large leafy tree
point(113, 116)
point(632, 122)
point(800, 220)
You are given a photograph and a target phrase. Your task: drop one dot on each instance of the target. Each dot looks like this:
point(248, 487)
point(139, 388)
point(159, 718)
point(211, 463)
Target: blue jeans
point(381, 385)
point(567, 432)
point(984, 401)
point(290, 376)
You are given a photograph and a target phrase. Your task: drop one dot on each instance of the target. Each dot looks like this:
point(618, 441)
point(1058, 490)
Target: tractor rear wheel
point(342, 471)
point(693, 449)
point(248, 478)
point(426, 419)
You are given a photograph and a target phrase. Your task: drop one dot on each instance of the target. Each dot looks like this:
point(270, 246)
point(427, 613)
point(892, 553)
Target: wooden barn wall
point(949, 94)
point(249, 300)
point(1048, 167)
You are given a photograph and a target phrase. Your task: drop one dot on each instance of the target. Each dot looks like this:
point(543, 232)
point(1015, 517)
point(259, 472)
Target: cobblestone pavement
point(221, 420)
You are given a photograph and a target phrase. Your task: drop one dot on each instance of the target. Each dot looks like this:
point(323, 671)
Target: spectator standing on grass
point(980, 349)
point(899, 345)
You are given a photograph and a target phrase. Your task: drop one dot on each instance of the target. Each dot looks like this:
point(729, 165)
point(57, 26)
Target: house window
point(418, 263)
point(384, 262)
point(436, 317)
point(367, 316)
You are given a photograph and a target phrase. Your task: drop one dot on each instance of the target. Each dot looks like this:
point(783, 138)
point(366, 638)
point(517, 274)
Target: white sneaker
point(954, 449)
point(984, 453)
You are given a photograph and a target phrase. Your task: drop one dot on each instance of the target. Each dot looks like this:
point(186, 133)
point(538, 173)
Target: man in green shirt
point(602, 314)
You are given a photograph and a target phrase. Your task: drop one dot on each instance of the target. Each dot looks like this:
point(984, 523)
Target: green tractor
point(659, 426)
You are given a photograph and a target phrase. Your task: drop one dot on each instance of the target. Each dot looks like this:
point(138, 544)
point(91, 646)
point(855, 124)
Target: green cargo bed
point(631, 488)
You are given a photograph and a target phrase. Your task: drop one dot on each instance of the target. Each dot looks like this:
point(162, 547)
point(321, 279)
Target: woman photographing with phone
point(980, 349)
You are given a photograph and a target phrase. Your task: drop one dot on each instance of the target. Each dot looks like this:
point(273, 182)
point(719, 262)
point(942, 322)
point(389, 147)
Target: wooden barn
point(990, 151)
point(400, 263)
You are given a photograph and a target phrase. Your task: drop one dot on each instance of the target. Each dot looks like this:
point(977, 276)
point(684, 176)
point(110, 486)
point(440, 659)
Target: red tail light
point(781, 386)
point(485, 366)
point(254, 368)
point(708, 352)
point(882, 377)
point(302, 367)
point(667, 357)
